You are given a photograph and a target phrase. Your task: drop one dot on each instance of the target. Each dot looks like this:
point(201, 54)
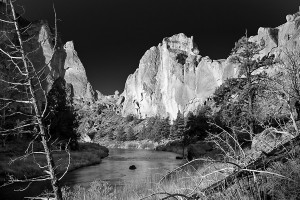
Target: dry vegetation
point(280, 180)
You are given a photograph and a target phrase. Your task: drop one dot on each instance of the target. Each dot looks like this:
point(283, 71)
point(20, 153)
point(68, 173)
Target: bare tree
point(28, 96)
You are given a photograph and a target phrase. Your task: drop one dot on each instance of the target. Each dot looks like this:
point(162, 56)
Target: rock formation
point(285, 37)
point(75, 74)
point(173, 77)
point(52, 61)
point(65, 62)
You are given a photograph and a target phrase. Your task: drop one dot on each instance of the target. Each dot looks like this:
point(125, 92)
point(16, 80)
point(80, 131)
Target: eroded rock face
point(75, 74)
point(173, 78)
point(49, 60)
point(281, 39)
point(63, 62)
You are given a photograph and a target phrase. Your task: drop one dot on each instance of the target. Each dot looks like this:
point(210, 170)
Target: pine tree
point(181, 126)
point(121, 134)
point(130, 134)
point(173, 130)
point(142, 134)
point(165, 128)
point(155, 133)
point(249, 83)
point(111, 135)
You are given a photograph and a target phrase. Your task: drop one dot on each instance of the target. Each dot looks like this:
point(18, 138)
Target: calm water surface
point(114, 169)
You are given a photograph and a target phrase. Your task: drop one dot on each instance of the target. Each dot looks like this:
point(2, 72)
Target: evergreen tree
point(173, 130)
point(61, 115)
point(130, 134)
point(155, 133)
point(238, 96)
point(142, 134)
point(111, 135)
point(181, 126)
point(165, 128)
point(121, 134)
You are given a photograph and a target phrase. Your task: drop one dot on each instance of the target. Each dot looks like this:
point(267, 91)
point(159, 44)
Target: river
point(113, 169)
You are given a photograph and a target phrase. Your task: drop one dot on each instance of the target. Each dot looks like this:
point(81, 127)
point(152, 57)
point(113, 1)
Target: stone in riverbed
point(132, 167)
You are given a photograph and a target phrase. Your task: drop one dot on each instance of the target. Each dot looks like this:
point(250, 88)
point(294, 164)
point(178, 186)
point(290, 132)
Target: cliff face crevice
point(173, 77)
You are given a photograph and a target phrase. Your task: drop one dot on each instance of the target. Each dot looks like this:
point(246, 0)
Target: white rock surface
point(173, 78)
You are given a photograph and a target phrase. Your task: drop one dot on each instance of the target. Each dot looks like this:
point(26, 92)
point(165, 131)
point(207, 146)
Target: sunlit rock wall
point(173, 77)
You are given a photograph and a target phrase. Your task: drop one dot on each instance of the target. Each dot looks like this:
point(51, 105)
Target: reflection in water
point(114, 169)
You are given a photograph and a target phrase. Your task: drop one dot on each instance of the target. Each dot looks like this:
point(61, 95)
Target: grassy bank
point(185, 182)
point(28, 166)
point(189, 182)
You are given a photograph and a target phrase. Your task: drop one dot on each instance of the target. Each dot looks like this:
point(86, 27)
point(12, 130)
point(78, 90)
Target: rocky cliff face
point(281, 39)
point(51, 62)
point(64, 62)
point(74, 73)
point(173, 77)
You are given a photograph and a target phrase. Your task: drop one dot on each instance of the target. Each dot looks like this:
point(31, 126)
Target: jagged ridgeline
point(64, 64)
point(54, 63)
point(173, 77)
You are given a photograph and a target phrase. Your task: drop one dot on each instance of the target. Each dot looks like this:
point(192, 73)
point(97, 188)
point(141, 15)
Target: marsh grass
point(28, 166)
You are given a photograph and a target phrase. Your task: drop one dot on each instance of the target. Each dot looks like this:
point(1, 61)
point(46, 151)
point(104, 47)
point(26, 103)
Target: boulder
point(269, 139)
point(132, 167)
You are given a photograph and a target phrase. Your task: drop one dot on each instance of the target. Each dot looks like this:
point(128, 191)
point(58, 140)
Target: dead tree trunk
point(29, 81)
point(50, 162)
point(281, 153)
point(38, 114)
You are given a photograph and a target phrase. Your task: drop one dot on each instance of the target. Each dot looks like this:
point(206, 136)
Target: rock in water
point(132, 167)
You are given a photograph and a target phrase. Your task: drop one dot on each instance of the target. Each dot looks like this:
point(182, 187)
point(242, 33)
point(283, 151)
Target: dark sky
point(111, 36)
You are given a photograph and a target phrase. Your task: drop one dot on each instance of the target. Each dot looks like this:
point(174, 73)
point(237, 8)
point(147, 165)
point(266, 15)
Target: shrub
point(121, 136)
point(129, 118)
point(130, 134)
point(97, 190)
point(131, 145)
point(147, 145)
point(111, 135)
point(284, 188)
point(142, 134)
point(136, 120)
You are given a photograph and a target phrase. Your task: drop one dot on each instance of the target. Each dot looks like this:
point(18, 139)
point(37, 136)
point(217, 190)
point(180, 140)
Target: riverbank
point(192, 151)
point(136, 144)
point(28, 167)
